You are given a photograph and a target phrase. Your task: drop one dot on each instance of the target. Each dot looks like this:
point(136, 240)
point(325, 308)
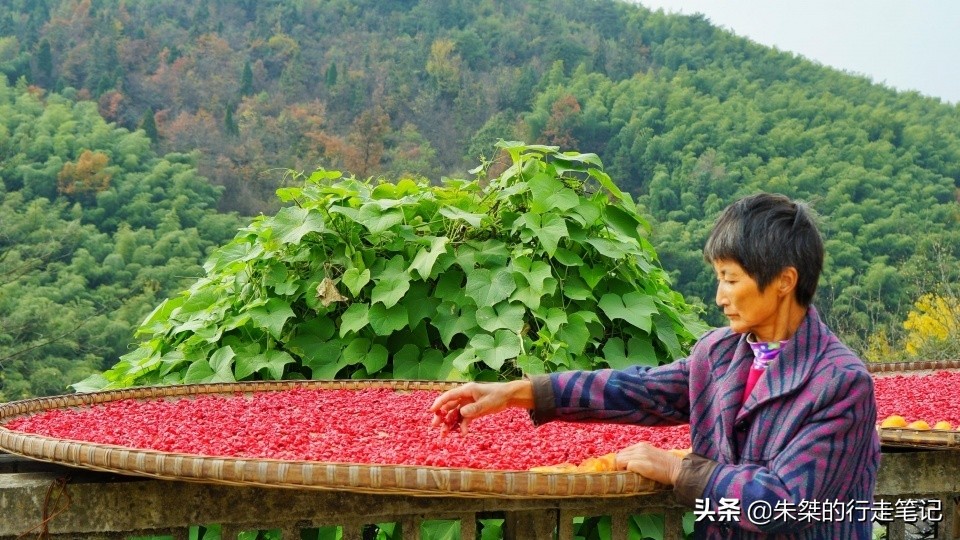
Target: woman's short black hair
point(765, 234)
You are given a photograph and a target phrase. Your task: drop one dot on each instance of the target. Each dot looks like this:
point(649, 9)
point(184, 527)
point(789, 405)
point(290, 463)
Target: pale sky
point(904, 44)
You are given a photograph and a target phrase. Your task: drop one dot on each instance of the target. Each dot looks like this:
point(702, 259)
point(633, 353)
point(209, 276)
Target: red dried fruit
point(450, 420)
point(932, 397)
point(380, 426)
point(365, 426)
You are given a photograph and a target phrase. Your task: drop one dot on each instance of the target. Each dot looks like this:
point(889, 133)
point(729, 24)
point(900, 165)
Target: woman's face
point(747, 309)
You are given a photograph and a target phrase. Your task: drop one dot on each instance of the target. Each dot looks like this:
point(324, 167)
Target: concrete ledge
point(109, 505)
point(914, 472)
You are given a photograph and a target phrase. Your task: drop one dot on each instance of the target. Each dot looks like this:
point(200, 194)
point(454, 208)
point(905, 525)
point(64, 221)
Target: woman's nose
point(721, 298)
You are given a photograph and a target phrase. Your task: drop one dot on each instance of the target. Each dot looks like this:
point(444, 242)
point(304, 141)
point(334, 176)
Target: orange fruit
point(918, 424)
point(943, 424)
point(895, 421)
point(561, 468)
point(604, 463)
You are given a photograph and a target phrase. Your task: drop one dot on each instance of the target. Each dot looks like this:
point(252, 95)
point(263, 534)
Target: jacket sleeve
point(636, 395)
point(834, 443)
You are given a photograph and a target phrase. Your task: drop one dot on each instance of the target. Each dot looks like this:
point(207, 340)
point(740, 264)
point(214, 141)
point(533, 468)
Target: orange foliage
point(564, 118)
point(109, 105)
point(303, 125)
point(188, 132)
point(87, 175)
point(367, 142)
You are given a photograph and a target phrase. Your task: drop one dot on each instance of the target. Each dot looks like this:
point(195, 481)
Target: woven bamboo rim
point(352, 477)
point(914, 438)
point(919, 365)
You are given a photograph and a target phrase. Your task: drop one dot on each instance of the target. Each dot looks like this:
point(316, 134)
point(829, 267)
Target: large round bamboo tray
point(353, 477)
point(914, 438)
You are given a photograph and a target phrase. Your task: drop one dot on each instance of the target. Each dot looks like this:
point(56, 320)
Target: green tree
point(148, 124)
point(44, 64)
point(331, 76)
point(230, 125)
point(685, 115)
point(293, 78)
point(246, 80)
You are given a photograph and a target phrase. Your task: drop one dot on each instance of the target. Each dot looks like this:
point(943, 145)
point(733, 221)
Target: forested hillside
point(95, 230)
point(684, 116)
point(882, 170)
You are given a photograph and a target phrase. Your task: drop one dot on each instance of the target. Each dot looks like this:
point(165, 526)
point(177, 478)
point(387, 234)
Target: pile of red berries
point(919, 401)
point(373, 426)
point(382, 426)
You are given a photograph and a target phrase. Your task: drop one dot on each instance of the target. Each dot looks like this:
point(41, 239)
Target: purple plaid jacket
point(806, 432)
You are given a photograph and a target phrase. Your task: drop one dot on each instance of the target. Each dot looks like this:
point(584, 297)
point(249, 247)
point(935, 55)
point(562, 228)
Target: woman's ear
point(787, 281)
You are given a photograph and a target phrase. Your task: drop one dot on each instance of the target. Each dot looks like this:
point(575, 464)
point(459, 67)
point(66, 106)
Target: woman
point(782, 414)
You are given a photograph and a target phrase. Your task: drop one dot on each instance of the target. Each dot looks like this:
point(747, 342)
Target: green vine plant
point(544, 267)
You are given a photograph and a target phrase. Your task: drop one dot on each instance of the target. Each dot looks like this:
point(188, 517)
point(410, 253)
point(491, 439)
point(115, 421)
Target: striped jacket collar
point(794, 367)
point(784, 376)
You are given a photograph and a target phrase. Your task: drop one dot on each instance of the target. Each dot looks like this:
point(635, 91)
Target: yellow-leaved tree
point(933, 327)
point(88, 175)
point(880, 348)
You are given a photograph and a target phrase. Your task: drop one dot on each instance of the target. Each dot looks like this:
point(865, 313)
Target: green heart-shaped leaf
point(504, 315)
point(386, 321)
point(495, 350)
point(488, 287)
point(272, 316)
point(636, 308)
point(354, 279)
point(354, 319)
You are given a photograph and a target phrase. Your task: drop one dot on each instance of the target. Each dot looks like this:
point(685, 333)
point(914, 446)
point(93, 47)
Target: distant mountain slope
point(95, 229)
point(686, 116)
point(400, 86)
point(882, 170)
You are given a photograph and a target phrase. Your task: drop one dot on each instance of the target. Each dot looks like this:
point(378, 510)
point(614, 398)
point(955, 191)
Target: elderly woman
point(782, 414)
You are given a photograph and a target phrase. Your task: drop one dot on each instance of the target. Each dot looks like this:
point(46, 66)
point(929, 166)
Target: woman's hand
point(659, 465)
point(474, 400)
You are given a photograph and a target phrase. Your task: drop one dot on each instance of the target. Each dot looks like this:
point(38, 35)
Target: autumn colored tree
point(933, 328)
point(564, 120)
point(366, 142)
point(192, 131)
point(111, 104)
point(210, 76)
point(86, 176)
point(165, 80)
point(444, 65)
